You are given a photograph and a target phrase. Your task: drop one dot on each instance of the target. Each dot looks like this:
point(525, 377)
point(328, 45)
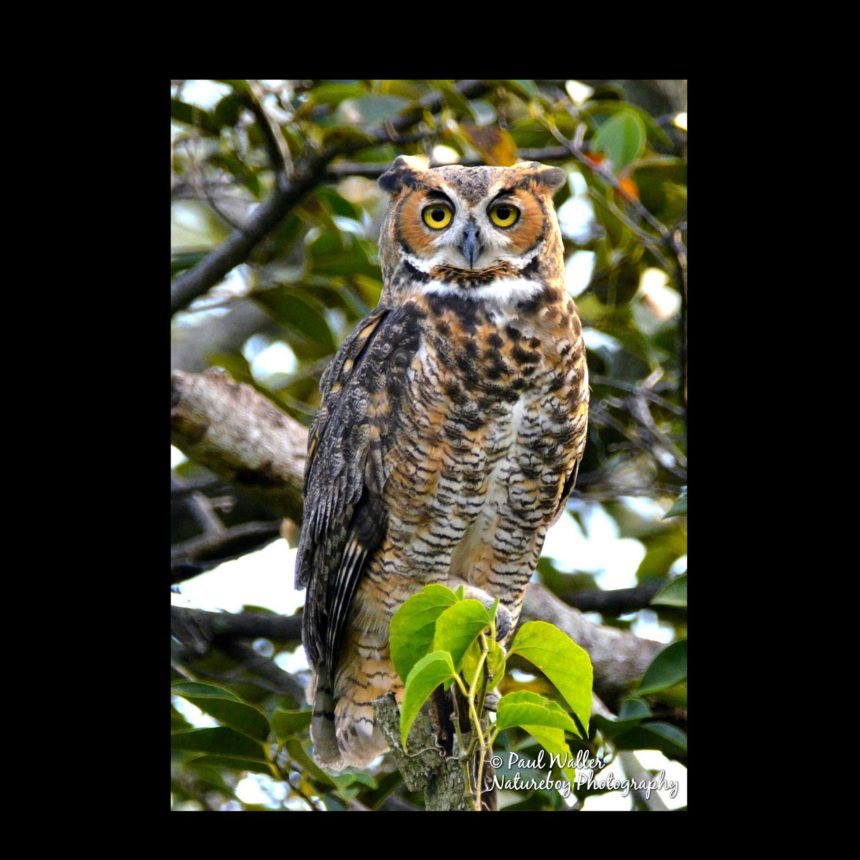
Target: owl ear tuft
point(403, 171)
point(551, 177)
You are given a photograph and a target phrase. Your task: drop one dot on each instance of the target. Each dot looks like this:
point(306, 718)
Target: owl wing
point(345, 517)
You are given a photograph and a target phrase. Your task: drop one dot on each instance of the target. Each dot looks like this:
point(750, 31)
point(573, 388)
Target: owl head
point(476, 231)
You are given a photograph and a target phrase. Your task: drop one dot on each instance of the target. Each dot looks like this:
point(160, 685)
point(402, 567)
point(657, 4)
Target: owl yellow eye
point(437, 216)
point(504, 215)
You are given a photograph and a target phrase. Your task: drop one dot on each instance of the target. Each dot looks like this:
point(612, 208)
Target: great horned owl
point(452, 424)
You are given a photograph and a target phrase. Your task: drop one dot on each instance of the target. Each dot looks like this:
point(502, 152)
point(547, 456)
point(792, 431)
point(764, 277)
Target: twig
point(199, 505)
point(636, 773)
point(600, 379)
point(242, 625)
point(374, 170)
point(665, 237)
point(276, 148)
point(617, 601)
point(214, 547)
point(252, 667)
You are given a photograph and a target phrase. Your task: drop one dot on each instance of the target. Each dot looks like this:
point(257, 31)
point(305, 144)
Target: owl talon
point(491, 701)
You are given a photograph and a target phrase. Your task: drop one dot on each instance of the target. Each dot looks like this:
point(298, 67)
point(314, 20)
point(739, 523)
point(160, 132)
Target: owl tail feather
point(323, 735)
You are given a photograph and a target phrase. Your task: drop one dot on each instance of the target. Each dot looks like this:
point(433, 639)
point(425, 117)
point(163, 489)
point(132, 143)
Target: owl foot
point(503, 614)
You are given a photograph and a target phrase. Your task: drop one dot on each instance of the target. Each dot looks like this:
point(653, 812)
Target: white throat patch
point(502, 291)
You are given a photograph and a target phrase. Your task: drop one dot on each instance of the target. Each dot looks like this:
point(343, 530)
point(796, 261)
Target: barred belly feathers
point(452, 424)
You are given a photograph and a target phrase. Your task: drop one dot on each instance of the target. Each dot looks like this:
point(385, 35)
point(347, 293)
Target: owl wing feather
point(344, 514)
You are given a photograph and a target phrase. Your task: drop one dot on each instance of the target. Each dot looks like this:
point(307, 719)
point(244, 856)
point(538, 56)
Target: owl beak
point(471, 247)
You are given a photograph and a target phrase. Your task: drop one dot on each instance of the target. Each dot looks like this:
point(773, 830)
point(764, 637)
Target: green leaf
point(565, 664)
point(346, 780)
point(668, 668)
point(668, 739)
point(469, 664)
point(599, 106)
point(455, 99)
point(672, 594)
point(237, 715)
point(287, 723)
point(496, 665)
point(237, 84)
point(525, 89)
point(193, 688)
point(297, 754)
point(337, 203)
point(222, 762)
point(177, 721)
point(303, 317)
point(621, 138)
point(632, 712)
point(527, 709)
point(334, 94)
point(459, 626)
point(341, 254)
point(413, 626)
point(634, 709)
point(192, 115)
point(369, 109)
point(227, 110)
point(220, 741)
point(552, 740)
point(680, 506)
point(426, 675)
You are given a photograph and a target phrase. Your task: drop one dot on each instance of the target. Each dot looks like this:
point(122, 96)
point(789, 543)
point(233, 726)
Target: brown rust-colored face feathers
point(452, 424)
point(472, 220)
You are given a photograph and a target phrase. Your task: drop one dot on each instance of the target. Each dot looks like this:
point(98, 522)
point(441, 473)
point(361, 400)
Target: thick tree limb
point(242, 437)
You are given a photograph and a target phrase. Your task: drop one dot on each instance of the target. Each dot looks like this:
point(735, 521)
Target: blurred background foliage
point(284, 305)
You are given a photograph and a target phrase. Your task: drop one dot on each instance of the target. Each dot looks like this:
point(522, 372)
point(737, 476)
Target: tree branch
point(374, 170)
point(614, 602)
point(243, 625)
point(213, 547)
point(196, 634)
point(242, 437)
point(237, 247)
point(238, 434)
